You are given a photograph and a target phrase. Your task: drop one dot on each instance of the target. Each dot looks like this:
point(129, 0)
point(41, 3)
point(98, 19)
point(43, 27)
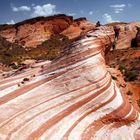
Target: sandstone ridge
point(71, 98)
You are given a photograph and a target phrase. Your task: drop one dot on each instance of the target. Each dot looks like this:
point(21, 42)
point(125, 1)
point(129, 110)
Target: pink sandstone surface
point(71, 98)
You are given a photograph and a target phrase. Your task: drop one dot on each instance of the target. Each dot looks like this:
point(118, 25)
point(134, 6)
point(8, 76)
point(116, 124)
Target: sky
point(105, 11)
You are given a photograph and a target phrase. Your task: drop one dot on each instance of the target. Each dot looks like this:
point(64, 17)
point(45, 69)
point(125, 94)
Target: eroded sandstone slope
point(70, 98)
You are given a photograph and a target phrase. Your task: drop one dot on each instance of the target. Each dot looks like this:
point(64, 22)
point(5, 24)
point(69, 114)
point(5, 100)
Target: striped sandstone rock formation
point(71, 98)
point(127, 33)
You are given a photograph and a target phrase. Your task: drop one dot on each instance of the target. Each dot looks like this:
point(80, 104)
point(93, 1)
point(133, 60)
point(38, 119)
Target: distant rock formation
point(33, 32)
point(70, 98)
point(126, 34)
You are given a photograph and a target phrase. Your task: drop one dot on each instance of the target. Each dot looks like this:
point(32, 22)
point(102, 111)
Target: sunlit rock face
point(71, 98)
point(127, 33)
point(79, 26)
point(32, 32)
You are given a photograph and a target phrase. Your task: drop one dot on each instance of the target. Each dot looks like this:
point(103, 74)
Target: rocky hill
point(72, 97)
point(69, 80)
point(33, 32)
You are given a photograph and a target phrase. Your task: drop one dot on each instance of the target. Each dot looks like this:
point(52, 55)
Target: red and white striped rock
point(127, 33)
point(71, 98)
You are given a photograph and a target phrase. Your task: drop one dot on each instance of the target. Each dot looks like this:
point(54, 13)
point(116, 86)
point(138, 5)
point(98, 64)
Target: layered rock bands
point(71, 98)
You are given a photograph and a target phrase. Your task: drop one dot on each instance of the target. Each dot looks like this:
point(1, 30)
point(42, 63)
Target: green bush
point(121, 68)
point(130, 76)
point(26, 79)
point(50, 49)
point(10, 52)
point(14, 66)
point(129, 93)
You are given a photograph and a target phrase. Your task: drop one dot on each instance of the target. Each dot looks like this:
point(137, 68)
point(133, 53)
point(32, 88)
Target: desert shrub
point(42, 66)
point(10, 52)
point(122, 68)
point(130, 76)
point(50, 49)
point(134, 43)
point(129, 93)
point(14, 66)
point(22, 82)
point(26, 79)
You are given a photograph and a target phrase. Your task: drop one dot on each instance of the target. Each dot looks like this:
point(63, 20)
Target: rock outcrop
point(127, 33)
point(79, 26)
point(33, 32)
point(71, 98)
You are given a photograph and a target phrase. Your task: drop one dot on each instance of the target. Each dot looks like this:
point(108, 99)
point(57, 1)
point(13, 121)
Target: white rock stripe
point(69, 98)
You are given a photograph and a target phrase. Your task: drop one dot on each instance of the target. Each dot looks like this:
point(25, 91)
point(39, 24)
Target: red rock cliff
point(33, 32)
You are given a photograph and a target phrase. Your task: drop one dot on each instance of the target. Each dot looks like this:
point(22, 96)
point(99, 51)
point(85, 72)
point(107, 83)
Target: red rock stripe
point(25, 89)
point(15, 129)
point(92, 129)
point(76, 59)
point(85, 86)
point(66, 112)
point(7, 86)
point(125, 122)
point(13, 78)
point(81, 118)
point(114, 116)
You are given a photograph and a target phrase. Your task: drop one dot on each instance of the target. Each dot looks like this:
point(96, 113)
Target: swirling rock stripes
point(71, 98)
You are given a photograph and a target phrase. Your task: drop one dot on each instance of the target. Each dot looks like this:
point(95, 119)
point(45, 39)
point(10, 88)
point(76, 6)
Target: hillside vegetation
point(10, 52)
point(48, 50)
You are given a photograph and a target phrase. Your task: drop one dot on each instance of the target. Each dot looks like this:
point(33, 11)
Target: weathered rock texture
point(33, 32)
point(78, 27)
point(126, 34)
point(71, 98)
